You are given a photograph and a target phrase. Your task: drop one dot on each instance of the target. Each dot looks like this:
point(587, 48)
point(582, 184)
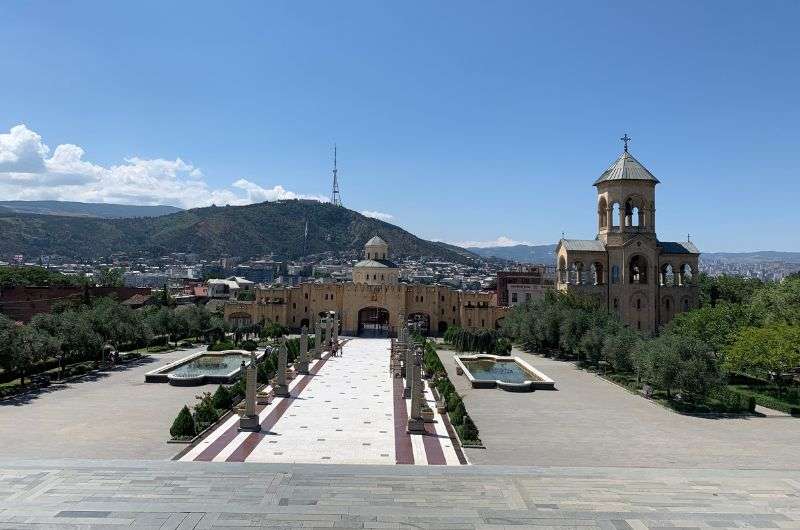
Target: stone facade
point(626, 268)
point(370, 306)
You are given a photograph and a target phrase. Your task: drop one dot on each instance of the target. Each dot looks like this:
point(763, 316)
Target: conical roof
point(626, 168)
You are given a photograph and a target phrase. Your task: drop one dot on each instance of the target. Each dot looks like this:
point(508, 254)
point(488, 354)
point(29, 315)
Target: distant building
point(522, 284)
point(626, 268)
point(372, 304)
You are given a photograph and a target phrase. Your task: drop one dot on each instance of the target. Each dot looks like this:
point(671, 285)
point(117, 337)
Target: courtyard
point(112, 414)
point(589, 421)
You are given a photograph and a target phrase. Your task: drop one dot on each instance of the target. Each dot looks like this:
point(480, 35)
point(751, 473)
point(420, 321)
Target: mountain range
point(276, 228)
point(546, 254)
point(86, 209)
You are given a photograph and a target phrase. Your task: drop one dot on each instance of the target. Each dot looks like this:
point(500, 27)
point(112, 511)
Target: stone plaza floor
point(69, 494)
point(348, 410)
point(589, 421)
point(112, 414)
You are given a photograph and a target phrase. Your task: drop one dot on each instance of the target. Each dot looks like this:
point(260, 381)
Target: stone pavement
point(589, 421)
point(112, 414)
point(348, 410)
point(187, 495)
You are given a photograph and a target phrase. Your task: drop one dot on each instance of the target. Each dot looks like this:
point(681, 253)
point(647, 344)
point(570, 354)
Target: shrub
point(502, 346)
point(204, 411)
point(445, 388)
point(183, 426)
point(237, 390)
point(222, 398)
point(250, 345)
point(452, 401)
point(468, 431)
point(221, 345)
point(273, 330)
point(459, 413)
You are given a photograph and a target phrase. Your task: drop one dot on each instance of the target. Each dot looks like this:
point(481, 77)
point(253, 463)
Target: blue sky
point(463, 121)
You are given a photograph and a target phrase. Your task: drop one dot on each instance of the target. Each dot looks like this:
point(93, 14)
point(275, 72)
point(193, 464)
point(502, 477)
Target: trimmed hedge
point(183, 426)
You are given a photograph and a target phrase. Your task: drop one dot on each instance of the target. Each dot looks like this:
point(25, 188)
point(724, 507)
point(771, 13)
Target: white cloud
point(377, 215)
point(28, 172)
point(501, 241)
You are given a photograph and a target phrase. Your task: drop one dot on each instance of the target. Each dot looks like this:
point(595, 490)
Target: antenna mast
point(336, 197)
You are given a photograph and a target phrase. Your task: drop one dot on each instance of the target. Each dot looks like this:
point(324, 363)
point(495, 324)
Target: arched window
point(637, 270)
point(616, 304)
point(667, 275)
point(615, 216)
point(686, 274)
point(602, 214)
point(615, 274)
point(562, 270)
point(597, 273)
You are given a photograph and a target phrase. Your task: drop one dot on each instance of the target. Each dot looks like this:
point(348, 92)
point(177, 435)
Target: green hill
point(253, 230)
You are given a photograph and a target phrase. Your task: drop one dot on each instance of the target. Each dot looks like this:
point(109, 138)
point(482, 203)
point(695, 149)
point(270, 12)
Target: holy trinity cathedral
point(643, 280)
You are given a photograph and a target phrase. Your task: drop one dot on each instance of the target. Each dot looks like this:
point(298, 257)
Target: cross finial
point(626, 139)
point(688, 237)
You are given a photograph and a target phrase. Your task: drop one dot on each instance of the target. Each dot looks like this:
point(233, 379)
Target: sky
point(476, 123)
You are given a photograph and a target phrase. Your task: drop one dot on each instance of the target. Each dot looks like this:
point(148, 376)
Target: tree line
point(742, 326)
point(96, 330)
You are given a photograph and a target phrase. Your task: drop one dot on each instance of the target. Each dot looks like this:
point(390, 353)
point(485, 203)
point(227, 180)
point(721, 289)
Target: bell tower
point(626, 199)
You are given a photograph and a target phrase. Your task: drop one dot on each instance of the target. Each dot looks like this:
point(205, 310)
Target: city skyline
point(511, 126)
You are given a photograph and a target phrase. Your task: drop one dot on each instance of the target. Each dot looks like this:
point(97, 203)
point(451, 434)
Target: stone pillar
point(415, 421)
point(329, 334)
point(408, 351)
point(302, 360)
point(281, 389)
point(318, 341)
point(249, 418)
point(336, 331)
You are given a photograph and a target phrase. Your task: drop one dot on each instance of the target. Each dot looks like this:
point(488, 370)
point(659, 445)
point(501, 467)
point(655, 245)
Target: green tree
point(30, 345)
point(774, 349)
point(109, 277)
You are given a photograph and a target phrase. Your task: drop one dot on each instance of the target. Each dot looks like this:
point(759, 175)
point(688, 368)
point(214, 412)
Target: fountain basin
point(202, 368)
point(509, 373)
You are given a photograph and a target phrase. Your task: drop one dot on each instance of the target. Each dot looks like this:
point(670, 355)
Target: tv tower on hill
point(336, 197)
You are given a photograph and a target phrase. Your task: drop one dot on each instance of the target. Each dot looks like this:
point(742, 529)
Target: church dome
point(376, 241)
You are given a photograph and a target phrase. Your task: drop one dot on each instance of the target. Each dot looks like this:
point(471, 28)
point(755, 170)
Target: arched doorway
point(442, 328)
point(373, 322)
point(422, 321)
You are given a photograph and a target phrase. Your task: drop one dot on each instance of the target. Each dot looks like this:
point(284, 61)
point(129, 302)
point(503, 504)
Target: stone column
point(281, 389)
point(415, 421)
point(318, 341)
point(249, 418)
point(336, 331)
point(408, 350)
point(302, 360)
point(329, 334)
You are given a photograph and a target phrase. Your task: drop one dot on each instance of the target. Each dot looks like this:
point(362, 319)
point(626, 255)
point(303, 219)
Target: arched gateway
point(373, 322)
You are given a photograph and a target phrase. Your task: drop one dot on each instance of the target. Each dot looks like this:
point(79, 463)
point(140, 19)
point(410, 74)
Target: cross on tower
point(626, 139)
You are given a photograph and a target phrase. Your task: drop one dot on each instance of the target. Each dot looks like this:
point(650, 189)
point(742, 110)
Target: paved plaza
point(589, 421)
point(348, 410)
point(112, 414)
point(196, 495)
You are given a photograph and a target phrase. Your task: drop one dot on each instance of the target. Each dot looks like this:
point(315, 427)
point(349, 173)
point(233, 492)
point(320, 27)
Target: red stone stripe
point(253, 439)
point(433, 446)
point(403, 453)
point(215, 447)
